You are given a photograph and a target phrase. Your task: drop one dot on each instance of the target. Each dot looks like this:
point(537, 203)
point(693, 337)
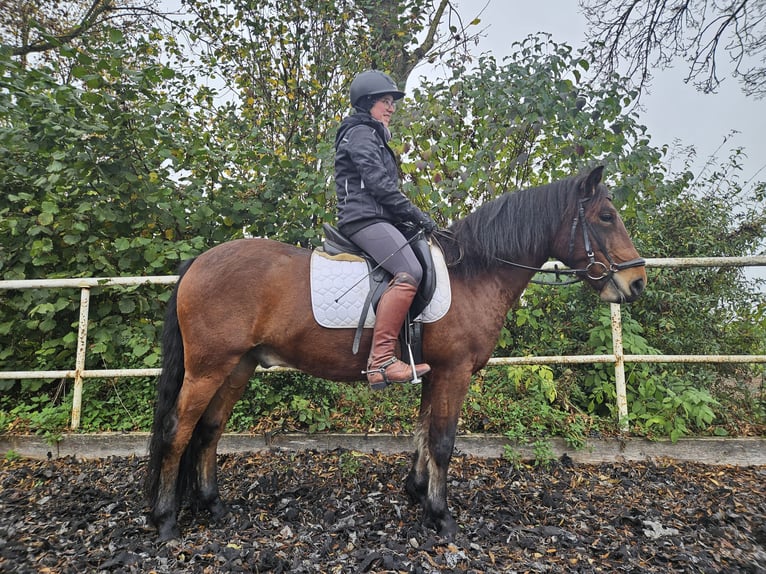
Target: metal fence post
point(82, 338)
point(619, 368)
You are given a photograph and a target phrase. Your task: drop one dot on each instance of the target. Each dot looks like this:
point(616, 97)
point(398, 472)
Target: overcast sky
point(672, 111)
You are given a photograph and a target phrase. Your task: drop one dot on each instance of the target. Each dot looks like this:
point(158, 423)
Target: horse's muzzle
point(624, 286)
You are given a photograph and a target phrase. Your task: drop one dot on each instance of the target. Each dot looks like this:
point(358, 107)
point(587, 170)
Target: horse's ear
point(592, 181)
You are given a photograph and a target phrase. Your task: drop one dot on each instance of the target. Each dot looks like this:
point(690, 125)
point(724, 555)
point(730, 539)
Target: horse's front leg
point(427, 481)
point(417, 479)
point(441, 442)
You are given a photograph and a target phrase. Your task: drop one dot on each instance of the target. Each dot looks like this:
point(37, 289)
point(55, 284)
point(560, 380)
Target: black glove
point(427, 224)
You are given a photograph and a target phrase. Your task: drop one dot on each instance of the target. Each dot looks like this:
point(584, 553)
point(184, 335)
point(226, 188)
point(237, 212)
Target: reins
point(605, 273)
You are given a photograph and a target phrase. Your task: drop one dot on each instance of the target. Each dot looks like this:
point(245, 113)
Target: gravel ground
point(344, 511)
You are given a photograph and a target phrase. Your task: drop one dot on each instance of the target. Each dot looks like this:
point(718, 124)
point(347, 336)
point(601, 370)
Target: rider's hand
point(428, 225)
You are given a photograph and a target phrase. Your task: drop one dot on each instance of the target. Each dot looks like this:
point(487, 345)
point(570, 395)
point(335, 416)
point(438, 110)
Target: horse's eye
point(606, 216)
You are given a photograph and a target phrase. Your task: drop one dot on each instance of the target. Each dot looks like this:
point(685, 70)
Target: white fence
point(618, 358)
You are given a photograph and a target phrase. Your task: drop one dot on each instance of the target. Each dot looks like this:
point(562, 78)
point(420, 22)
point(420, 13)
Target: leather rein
point(594, 270)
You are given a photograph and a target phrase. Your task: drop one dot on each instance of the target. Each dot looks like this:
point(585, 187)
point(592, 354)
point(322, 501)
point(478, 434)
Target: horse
point(246, 303)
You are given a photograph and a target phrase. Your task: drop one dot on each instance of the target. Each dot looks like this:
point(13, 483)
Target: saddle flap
point(340, 286)
point(422, 249)
point(335, 244)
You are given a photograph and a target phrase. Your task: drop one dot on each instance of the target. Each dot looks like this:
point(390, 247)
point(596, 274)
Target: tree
point(284, 69)
point(42, 27)
point(114, 163)
point(86, 190)
point(638, 35)
point(527, 120)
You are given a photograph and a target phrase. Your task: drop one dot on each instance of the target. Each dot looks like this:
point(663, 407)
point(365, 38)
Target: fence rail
point(618, 358)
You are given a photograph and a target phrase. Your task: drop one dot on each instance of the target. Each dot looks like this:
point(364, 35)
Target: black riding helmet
point(368, 86)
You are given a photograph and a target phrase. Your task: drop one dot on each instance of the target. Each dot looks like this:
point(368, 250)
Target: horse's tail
point(168, 387)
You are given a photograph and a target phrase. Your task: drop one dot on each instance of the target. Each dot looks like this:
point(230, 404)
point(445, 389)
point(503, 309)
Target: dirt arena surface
point(345, 511)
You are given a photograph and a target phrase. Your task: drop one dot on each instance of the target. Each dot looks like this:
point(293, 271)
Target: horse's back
point(239, 281)
point(244, 264)
point(247, 254)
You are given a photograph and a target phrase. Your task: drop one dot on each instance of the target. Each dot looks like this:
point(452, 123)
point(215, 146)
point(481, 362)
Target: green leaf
point(122, 244)
point(127, 306)
point(45, 218)
point(116, 36)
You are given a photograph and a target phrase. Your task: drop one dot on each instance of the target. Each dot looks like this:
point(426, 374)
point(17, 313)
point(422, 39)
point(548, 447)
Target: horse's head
point(595, 241)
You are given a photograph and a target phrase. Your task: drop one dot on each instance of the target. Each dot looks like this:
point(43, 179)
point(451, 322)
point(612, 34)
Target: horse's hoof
point(417, 493)
point(218, 510)
point(445, 526)
point(168, 532)
point(448, 528)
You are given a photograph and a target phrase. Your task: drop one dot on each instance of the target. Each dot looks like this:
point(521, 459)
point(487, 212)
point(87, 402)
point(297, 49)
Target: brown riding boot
point(383, 368)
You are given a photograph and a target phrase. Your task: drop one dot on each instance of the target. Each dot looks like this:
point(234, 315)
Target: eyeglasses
point(388, 102)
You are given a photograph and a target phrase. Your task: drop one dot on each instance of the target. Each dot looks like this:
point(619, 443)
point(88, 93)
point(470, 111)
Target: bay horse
point(246, 303)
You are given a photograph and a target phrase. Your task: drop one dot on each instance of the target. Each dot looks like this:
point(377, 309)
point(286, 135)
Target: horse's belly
point(269, 358)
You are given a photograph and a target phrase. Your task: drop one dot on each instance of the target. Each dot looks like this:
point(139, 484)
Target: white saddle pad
point(339, 287)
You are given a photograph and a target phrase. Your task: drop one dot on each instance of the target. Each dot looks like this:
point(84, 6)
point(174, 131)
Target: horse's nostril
point(637, 287)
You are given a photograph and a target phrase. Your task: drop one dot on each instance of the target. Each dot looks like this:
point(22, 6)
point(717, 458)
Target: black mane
point(517, 226)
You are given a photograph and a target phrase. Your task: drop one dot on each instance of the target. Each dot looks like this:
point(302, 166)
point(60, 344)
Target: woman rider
point(370, 205)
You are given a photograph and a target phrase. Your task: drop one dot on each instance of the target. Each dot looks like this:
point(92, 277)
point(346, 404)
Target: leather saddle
point(335, 243)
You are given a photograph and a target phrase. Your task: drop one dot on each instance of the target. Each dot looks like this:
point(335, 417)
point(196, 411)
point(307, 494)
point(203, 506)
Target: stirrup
point(416, 380)
point(382, 369)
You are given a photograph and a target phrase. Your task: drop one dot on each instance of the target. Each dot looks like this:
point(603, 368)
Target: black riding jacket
point(367, 177)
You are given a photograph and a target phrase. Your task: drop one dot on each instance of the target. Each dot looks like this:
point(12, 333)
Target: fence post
point(619, 368)
point(82, 337)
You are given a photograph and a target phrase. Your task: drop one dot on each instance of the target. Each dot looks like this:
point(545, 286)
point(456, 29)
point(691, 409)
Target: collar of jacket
point(358, 119)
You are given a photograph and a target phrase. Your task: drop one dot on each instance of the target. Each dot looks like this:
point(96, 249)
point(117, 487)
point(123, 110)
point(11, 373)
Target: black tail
point(168, 387)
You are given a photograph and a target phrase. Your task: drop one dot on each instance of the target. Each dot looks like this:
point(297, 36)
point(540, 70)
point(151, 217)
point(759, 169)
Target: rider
point(370, 205)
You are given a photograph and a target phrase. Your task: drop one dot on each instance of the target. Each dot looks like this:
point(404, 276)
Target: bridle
point(594, 270)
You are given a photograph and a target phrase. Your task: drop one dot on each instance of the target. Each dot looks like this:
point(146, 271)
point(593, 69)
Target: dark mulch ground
point(346, 512)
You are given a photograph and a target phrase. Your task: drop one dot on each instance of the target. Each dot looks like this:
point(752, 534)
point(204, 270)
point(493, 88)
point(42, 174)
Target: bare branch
point(433, 29)
point(49, 41)
point(435, 43)
point(637, 36)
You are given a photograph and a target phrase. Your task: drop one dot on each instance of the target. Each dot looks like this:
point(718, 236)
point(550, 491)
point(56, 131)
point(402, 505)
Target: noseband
point(606, 272)
point(594, 270)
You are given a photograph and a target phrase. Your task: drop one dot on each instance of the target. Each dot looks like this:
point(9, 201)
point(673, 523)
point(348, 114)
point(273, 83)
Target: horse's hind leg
point(208, 434)
point(193, 398)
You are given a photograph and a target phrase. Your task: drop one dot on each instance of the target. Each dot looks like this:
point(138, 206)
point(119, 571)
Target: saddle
point(335, 243)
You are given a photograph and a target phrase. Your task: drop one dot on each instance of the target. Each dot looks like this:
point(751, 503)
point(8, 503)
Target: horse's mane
point(513, 227)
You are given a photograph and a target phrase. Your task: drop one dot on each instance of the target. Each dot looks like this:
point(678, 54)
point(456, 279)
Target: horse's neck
point(515, 282)
point(480, 304)
point(501, 287)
